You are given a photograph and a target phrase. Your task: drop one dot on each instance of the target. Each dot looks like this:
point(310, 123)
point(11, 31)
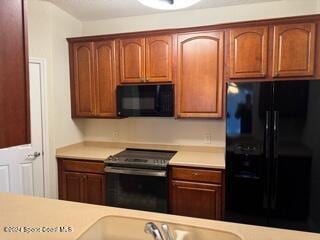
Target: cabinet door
point(95, 189)
point(248, 52)
point(200, 74)
point(159, 59)
point(73, 185)
point(105, 78)
point(294, 50)
point(82, 81)
point(132, 60)
point(14, 91)
point(196, 200)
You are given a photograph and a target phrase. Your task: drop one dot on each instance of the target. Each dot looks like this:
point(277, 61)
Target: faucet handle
point(167, 232)
point(152, 229)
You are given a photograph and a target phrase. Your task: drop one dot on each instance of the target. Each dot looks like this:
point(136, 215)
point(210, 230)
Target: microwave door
point(137, 101)
point(145, 100)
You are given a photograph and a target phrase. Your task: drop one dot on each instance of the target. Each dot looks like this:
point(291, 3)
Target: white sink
point(120, 228)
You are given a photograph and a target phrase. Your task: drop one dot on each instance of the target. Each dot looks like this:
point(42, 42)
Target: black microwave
point(145, 100)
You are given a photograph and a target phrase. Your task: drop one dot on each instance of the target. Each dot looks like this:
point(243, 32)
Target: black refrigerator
point(273, 154)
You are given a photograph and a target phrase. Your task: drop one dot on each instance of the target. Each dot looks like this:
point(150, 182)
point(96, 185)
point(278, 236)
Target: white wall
point(181, 131)
point(156, 130)
point(48, 28)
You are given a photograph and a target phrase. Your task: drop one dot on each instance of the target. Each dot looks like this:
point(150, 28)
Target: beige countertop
point(33, 212)
point(193, 156)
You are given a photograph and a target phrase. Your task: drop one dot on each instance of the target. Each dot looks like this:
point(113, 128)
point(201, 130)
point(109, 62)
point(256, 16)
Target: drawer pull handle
point(195, 174)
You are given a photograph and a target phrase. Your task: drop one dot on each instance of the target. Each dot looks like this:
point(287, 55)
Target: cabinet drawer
point(199, 175)
point(83, 166)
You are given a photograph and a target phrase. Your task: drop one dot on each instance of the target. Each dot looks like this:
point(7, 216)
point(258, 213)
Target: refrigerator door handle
point(275, 159)
point(268, 130)
point(275, 133)
point(268, 134)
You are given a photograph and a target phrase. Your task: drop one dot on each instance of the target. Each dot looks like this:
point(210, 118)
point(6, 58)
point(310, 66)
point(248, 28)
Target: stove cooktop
point(141, 158)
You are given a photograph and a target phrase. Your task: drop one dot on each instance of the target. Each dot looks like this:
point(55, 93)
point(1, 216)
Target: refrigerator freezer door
point(249, 122)
point(295, 175)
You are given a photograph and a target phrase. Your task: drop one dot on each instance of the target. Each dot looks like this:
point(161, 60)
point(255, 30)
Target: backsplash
point(156, 130)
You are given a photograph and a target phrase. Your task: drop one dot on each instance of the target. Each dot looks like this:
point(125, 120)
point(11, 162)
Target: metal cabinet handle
point(195, 174)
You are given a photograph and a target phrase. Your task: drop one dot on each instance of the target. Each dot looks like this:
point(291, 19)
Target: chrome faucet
point(152, 229)
point(166, 231)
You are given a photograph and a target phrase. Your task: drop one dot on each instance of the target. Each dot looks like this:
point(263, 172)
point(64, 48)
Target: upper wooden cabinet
point(249, 52)
point(294, 50)
point(159, 59)
point(93, 79)
point(132, 60)
point(105, 78)
point(14, 90)
point(146, 59)
point(83, 79)
point(200, 74)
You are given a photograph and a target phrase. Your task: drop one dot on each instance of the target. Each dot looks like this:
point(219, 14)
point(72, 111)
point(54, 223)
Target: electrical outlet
point(208, 138)
point(115, 135)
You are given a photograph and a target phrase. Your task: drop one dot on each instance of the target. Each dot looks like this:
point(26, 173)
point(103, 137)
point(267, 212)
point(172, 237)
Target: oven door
point(140, 189)
point(145, 100)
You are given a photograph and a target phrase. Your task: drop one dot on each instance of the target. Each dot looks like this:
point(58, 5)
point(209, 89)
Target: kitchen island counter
point(32, 212)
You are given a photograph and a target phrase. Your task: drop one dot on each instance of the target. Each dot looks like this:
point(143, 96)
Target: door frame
point(44, 121)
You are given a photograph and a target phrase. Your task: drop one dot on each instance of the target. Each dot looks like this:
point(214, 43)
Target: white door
point(21, 167)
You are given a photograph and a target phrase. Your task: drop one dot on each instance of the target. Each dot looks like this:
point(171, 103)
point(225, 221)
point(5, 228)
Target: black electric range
point(137, 179)
point(140, 158)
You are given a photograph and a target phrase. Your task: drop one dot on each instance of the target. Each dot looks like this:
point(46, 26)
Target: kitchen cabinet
point(93, 78)
point(132, 60)
point(294, 50)
point(83, 79)
point(105, 78)
point(159, 59)
point(196, 192)
point(81, 181)
point(14, 90)
point(146, 59)
point(248, 52)
point(200, 72)
point(198, 61)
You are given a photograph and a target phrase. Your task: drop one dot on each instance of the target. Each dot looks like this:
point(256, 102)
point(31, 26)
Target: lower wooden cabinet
point(196, 192)
point(81, 181)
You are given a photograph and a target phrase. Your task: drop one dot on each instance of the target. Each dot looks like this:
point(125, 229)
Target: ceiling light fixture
point(168, 4)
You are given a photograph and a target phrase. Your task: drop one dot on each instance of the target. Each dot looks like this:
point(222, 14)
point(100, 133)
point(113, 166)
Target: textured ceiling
point(104, 9)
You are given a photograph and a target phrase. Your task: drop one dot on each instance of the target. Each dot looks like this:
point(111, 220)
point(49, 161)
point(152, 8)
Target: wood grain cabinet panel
point(200, 74)
point(197, 192)
point(249, 52)
point(14, 76)
point(93, 79)
point(78, 181)
point(83, 79)
point(196, 200)
point(159, 59)
point(73, 187)
point(105, 78)
point(95, 189)
point(132, 60)
point(294, 50)
point(198, 175)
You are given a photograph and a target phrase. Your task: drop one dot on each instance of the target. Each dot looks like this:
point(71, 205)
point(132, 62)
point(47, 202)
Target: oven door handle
point(135, 171)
